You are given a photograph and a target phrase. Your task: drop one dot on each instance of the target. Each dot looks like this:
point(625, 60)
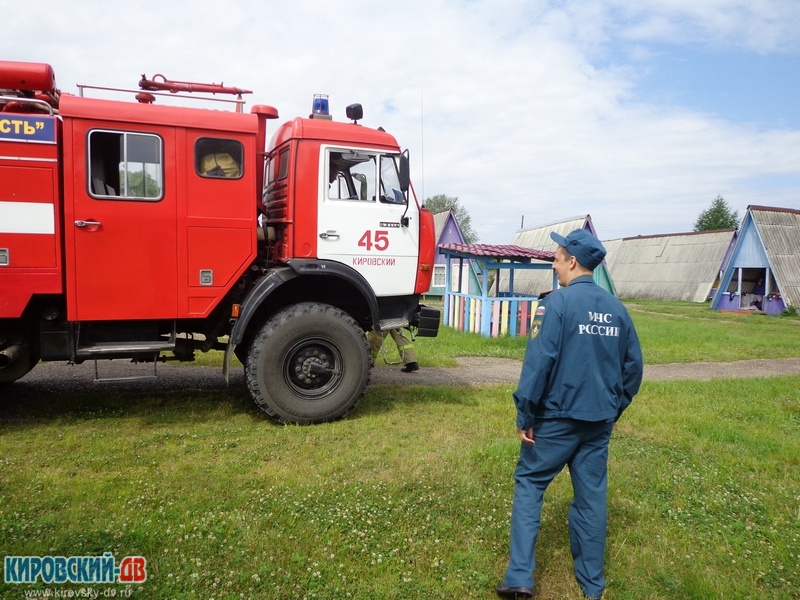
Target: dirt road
point(55, 379)
point(478, 370)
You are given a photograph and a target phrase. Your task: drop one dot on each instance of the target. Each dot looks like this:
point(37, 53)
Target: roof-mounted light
point(320, 108)
point(355, 112)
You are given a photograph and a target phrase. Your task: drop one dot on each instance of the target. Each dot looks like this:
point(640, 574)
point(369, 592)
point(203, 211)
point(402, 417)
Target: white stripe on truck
point(27, 217)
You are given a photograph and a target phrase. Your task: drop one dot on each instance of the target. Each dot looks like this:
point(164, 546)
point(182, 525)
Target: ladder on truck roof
point(161, 86)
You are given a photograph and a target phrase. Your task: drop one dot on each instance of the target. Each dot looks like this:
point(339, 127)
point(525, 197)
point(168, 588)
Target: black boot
point(410, 367)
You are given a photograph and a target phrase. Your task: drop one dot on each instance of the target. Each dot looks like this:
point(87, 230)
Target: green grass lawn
point(409, 496)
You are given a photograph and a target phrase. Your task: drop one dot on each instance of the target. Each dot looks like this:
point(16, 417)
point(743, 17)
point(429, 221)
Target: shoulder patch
point(538, 317)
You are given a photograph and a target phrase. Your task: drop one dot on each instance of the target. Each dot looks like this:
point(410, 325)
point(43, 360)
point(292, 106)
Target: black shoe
point(513, 593)
point(410, 367)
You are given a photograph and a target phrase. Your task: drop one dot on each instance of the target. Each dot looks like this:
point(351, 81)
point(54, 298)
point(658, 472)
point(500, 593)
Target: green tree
point(441, 203)
point(718, 216)
point(141, 184)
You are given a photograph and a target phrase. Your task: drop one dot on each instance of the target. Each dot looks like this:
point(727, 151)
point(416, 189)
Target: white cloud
point(756, 25)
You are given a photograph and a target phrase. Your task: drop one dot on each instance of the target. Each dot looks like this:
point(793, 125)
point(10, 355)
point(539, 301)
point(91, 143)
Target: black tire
point(241, 350)
point(310, 363)
point(20, 367)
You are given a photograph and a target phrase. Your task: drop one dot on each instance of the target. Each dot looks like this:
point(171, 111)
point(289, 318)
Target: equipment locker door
point(360, 220)
point(122, 227)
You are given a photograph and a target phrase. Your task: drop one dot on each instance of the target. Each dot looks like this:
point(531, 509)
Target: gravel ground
point(54, 379)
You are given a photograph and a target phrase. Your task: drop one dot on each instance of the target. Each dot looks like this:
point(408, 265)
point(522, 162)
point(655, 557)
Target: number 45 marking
point(378, 239)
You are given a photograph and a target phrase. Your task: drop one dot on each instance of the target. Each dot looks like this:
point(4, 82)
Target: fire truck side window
point(283, 164)
point(124, 165)
point(351, 176)
point(218, 158)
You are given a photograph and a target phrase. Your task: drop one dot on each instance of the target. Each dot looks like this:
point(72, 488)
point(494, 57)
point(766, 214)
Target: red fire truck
point(139, 230)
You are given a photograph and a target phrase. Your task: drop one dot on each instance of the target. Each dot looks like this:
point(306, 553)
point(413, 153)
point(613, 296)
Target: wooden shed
point(764, 270)
point(466, 280)
point(676, 266)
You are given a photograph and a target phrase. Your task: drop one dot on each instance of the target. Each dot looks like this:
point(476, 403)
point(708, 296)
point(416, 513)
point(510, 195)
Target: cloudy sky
point(637, 112)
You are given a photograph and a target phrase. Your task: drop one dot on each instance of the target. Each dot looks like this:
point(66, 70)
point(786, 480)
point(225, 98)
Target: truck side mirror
point(405, 172)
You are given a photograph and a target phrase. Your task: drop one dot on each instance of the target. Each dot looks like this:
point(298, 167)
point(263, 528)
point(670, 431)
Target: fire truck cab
point(131, 229)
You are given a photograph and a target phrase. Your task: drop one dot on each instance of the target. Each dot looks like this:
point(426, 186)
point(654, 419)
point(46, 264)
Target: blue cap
point(581, 244)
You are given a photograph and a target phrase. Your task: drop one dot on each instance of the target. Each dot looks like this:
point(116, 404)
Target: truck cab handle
point(329, 235)
point(87, 223)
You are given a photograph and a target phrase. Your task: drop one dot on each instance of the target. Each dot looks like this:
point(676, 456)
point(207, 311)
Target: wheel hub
point(312, 368)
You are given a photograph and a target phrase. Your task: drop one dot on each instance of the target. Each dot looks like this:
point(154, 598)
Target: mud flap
point(226, 362)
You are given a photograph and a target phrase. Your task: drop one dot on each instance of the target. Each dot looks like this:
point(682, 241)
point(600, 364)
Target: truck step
point(122, 349)
point(387, 324)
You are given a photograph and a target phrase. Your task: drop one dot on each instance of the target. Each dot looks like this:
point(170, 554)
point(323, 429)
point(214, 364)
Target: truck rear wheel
point(310, 363)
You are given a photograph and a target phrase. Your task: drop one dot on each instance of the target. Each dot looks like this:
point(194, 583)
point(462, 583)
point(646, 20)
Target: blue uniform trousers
point(583, 446)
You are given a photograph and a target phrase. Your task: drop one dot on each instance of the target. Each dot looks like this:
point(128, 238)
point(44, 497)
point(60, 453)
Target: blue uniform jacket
point(584, 362)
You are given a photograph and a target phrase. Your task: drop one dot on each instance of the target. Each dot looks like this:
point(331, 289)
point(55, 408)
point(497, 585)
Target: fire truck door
point(122, 229)
point(360, 222)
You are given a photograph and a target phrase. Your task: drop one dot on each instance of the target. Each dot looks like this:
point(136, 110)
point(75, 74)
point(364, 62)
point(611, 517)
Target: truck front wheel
point(310, 363)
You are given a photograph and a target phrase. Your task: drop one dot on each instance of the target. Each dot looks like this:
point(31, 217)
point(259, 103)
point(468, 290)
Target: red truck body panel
point(145, 259)
point(30, 235)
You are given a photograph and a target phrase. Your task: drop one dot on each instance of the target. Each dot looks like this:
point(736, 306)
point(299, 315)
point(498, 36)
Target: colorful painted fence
point(490, 316)
point(506, 313)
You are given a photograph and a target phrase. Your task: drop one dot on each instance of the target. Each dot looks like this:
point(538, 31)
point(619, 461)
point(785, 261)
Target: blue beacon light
point(320, 106)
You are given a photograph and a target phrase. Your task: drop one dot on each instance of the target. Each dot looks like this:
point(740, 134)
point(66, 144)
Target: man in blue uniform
point(582, 367)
